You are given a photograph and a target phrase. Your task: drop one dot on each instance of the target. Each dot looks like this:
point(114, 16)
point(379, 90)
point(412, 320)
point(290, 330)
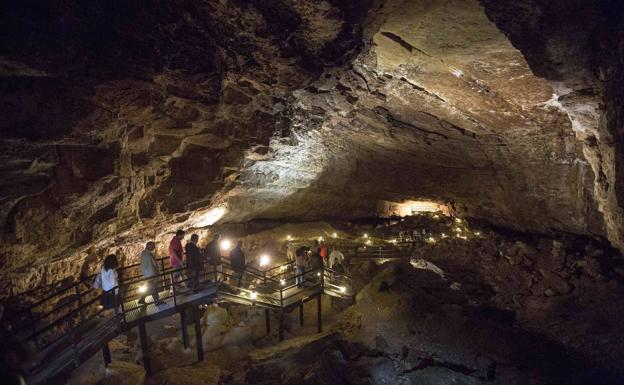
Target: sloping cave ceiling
point(122, 121)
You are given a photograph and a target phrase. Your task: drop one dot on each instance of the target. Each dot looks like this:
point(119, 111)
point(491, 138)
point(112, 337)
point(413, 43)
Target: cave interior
point(465, 155)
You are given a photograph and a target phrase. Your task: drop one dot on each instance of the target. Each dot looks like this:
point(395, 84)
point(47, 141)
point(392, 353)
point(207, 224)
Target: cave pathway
point(73, 328)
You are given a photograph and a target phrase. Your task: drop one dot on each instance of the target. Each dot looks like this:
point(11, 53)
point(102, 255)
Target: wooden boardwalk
point(73, 334)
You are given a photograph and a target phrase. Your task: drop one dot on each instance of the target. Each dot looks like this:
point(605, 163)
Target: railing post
point(198, 335)
point(121, 297)
point(173, 288)
point(162, 269)
point(79, 299)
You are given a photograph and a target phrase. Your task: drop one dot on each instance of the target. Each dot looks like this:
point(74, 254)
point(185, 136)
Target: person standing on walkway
point(290, 251)
point(149, 268)
point(108, 276)
point(213, 254)
point(176, 255)
point(300, 265)
point(316, 248)
point(237, 258)
point(194, 260)
point(323, 252)
point(336, 257)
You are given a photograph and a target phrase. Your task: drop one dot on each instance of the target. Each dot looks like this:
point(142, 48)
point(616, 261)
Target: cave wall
point(125, 122)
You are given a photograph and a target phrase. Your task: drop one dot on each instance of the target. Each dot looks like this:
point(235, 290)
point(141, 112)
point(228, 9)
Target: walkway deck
point(68, 335)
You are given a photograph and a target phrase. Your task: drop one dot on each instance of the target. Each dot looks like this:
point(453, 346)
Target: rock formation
point(123, 122)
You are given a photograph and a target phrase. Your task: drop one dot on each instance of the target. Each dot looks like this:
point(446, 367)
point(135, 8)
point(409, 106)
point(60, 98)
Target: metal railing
point(62, 313)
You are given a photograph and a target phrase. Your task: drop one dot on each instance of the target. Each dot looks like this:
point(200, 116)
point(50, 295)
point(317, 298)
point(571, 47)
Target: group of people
point(190, 256)
point(194, 258)
point(313, 258)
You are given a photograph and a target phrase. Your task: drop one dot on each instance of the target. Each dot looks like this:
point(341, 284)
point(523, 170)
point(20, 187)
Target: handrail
point(272, 292)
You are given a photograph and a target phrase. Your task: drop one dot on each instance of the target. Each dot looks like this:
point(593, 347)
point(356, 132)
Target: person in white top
point(108, 275)
point(336, 257)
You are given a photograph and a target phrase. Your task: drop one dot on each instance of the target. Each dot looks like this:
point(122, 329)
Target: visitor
point(323, 252)
point(237, 258)
point(108, 276)
point(290, 251)
point(213, 254)
point(176, 256)
point(316, 262)
point(336, 257)
point(150, 270)
point(316, 247)
point(300, 265)
point(194, 261)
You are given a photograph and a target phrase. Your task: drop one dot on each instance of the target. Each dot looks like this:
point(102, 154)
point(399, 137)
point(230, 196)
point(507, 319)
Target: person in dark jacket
point(237, 257)
point(194, 260)
point(213, 254)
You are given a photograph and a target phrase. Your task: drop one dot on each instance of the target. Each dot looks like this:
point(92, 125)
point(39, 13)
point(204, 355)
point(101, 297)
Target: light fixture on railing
point(283, 267)
point(282, 281)
point(431, 240)
point(320, 239)
point(443, 235)
point(142, 288)
point(225, 245)
point(393, 241)
point(477, 233)
point(458, 220)
point(343, 289)
point(365, 235)
point(253, 295)
point(335, 235)
point(318, 274)
point(264, 260)
point(368, 242)
point(289, 237)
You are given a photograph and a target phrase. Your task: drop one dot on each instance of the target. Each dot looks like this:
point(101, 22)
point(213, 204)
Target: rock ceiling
point(123, 122)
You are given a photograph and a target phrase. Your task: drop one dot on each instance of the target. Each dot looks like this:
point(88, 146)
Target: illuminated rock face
point(124, 123)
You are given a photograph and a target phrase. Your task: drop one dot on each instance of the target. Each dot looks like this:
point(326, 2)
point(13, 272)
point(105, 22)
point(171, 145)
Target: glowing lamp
point(443, 235)
point(365, 235)
point(458, 220)
point(253, 295)
point(289, 237)
point(320, 239)
point(368, 242)
point(142, 288)
point(264, 260)
point(335, 235)
point(477, 233)
point(318, 274)
point(343, 289)
point(225, 245)
point(431, 240)
point(282, 282)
